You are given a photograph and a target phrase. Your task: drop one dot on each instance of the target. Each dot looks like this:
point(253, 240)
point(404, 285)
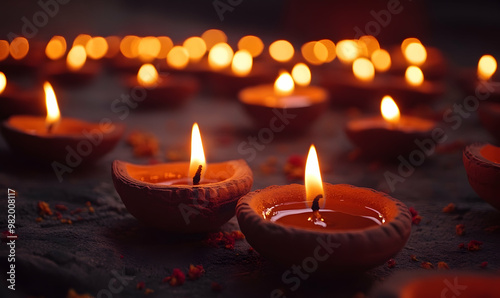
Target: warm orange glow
point(53, 114)
point(284, 85)
point(196, 48)
point(281, 50)
point(3, 82)
point(313, 182)
point(307, 51)
point(96, 48)
point(363, 69)
point(56, 47)
point(330, 46)
point(166, 46)
point(242, 63)
point(4, 49)
point(147, 76)
point(19, 48)
point(415, 53)
point(381, 60)
point(76, 58)
point(213, 37)
point(369, 43)
point(407, 41)
point(129, 46)
point(148, 49)
point(197, 153)
point(113, 46)
point(389, 110)
point(301, 74)
point(252, 44)
point(347, 51)
point(414, 76)
point(320, 52)
point(486, 67)
point(81, 40)
point(220, 56)
point(178, 57)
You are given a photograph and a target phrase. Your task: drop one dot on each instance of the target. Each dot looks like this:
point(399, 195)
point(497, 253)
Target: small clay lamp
point(389, 135)
point(54, 138)
point(482, 164)
point(15, 100)
point(73, 71)
point(264, 102)
point(479, 81)
point(167, 90)
point(489, 115)
point(23, 57)
point(183, 197)
point(336, 228)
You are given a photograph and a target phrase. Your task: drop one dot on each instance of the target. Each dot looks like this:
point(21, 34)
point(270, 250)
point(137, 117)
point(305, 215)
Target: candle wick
point(50, 127)
point(315, 207)
point(197, 176)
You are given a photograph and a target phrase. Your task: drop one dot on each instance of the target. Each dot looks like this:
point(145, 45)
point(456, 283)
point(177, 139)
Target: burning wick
point(316, 218)
point(50, 127)
point(197, 176)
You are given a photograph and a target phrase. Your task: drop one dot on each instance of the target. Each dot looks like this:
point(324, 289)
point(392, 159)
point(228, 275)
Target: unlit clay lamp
point(489, 115)
point(482, 164)
point(53, 138)
point(15, 100)
point(183, 197)
point(334, 228)
point(157, 90)
point(389, 135)
point(303, 104)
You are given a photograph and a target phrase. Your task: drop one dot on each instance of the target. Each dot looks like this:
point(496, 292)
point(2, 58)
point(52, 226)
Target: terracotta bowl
point(489, 115)
point(482, 164)
point(26, 135)
point(58, 73)
point(410, 96)
point(182, 208)
point(16, 101)
point(349, 251)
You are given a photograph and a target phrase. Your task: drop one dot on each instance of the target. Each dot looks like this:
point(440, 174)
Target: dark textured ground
point(52, 257)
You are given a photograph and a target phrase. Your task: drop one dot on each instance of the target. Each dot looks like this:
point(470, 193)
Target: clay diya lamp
point(53, 138)
point(15, 100)
point(338, 229)
point(489, 115)
point(183, 197)
point(438, 284)
point(73, 71)
point(24, 57)
point(162, 90)
point(390, 135)
point(482, 164)
point(265, 103)
point(478, 81)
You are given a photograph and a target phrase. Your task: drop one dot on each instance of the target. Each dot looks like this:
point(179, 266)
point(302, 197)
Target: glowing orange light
point(96, 47)
point(178, 57)
point(363, 69)
point(147, 76)
point(197, 153)
point(76, 58)
point(19, 48)
point(389, 110)
point(415, 53)
point(284, 85)
point(53, 114)
point(56, 47)
point(330, 46)
point(301, 74)
point(129, 46)
point(281, 50)
point(313, 182)
point(166, 46)
point(407, 41)
point(4, 49)
point(3, 82)
point(220, 56)
point(486, 67)
point(381, 60)
point(242, 63)
point(414, 76)
point(213, 37)
point(347, 51)
point(196, 48)
point(369, 43)
point(113, 46)
point(81, 40)
point(252, 44)
point(149, 47)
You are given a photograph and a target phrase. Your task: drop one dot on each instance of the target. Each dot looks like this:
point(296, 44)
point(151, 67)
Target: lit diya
point(54, 138)
point(333, 228)
point(482, 164)
point(183, 197)
point(283, 106)
point(480, 82)
point(15, 100)
point(20, 57)
point(390, 135)
point(170, 90)
point(489, 115)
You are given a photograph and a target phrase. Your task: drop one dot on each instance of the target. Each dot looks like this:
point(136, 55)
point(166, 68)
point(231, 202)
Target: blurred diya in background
point(183, 197)
point(20, 57)
point(161, 90)
point(63, 142)
point(284, 107)
point(482, 164)
point(392, 134)
point(482, 81)
point(15, 100)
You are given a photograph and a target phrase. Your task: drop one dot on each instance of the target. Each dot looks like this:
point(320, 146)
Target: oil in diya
point(339, 229)
point(183, 197)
